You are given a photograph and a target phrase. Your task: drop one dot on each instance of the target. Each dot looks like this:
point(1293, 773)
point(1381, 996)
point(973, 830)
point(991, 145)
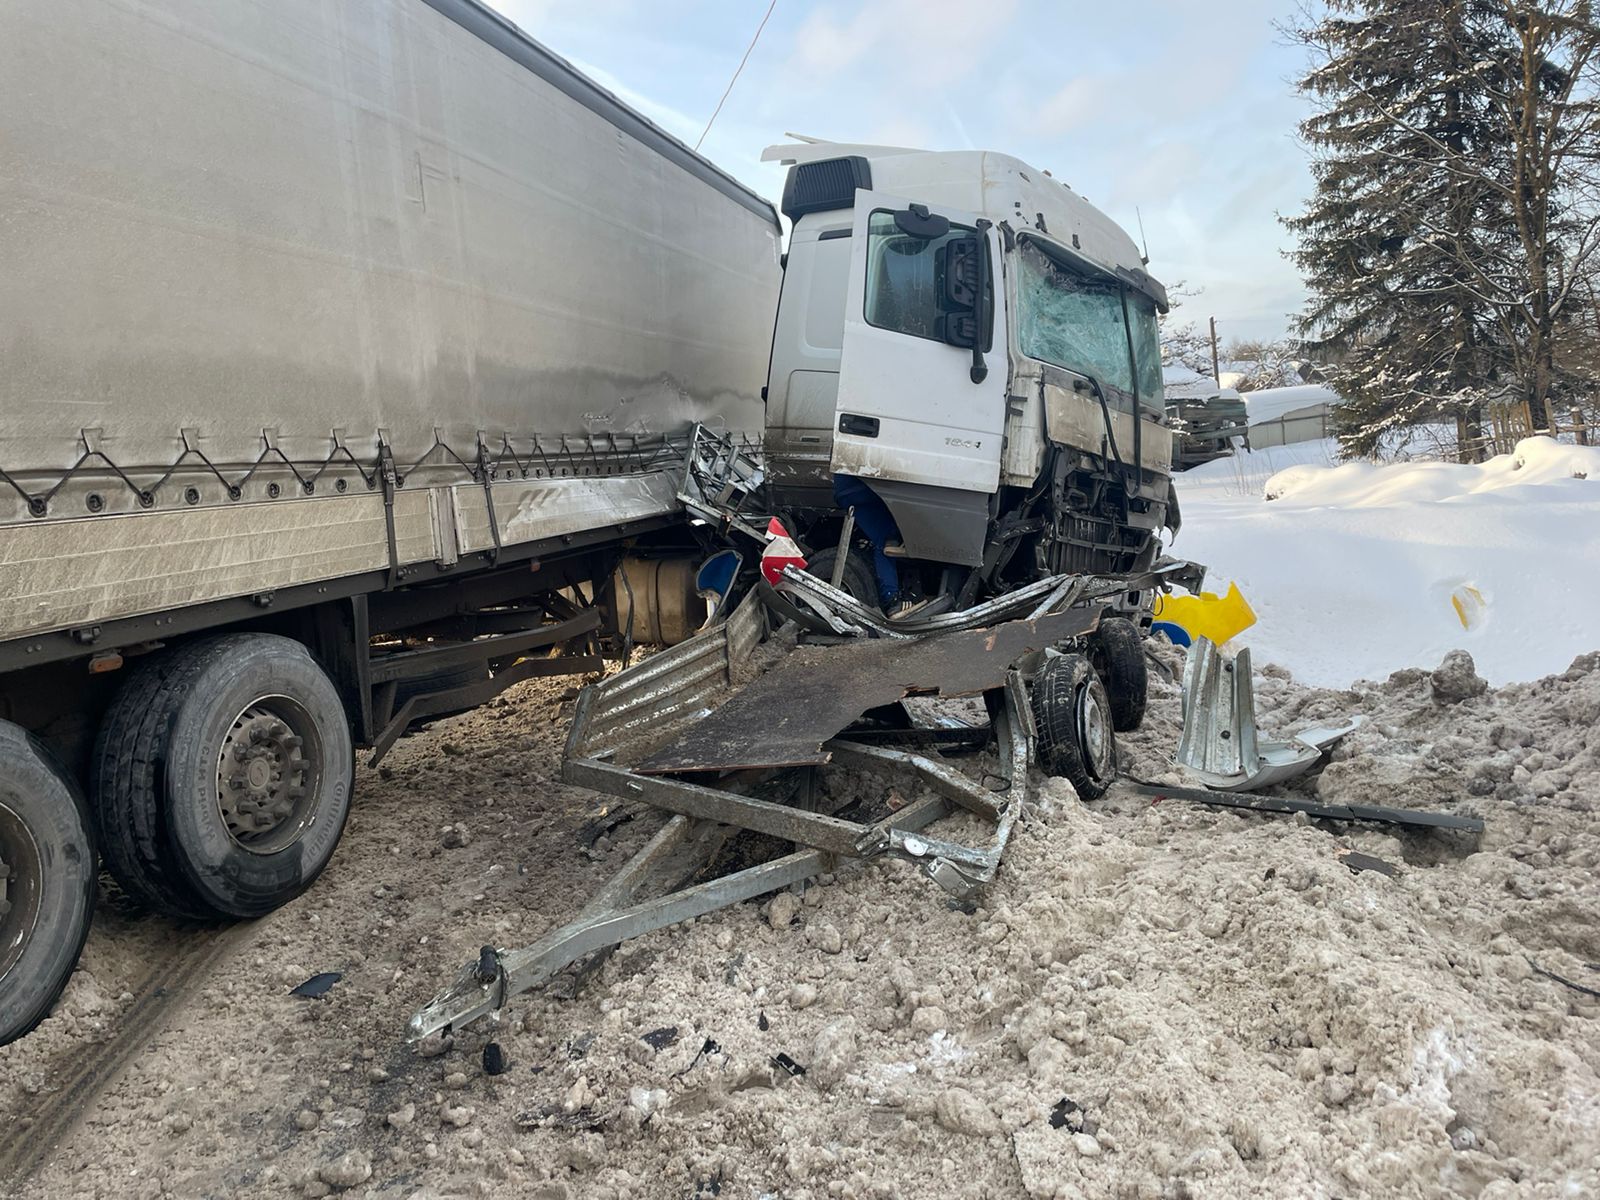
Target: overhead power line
point(736, 73)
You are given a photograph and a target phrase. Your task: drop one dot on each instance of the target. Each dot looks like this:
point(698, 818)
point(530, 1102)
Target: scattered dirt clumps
point(1152, 1000)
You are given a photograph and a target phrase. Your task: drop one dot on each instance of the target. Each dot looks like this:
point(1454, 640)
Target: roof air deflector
point(825, 186)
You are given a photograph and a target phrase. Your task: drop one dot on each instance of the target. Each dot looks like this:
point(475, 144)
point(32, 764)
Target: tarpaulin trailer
point(343, 345)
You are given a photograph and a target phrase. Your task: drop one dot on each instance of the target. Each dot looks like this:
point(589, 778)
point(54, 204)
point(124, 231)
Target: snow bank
point(1535, 461)
point(1149, 1000)
point(1358, 570)
point(1185, 383)
point(1247, 471)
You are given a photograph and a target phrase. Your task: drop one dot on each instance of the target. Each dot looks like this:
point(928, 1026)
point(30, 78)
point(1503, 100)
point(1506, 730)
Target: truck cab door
point(908, 410)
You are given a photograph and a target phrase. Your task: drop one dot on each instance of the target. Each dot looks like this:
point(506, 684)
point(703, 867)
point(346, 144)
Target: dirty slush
point(1152, 1000)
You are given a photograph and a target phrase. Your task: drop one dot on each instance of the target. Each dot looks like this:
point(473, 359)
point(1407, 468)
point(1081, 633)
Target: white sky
point(1182, 109)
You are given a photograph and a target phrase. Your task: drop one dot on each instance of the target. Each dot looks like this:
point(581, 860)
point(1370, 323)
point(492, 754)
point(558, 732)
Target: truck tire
point(1072, 717)
point(47, 881)
point(223, 776)
point(858, 582)
point(1117, 652)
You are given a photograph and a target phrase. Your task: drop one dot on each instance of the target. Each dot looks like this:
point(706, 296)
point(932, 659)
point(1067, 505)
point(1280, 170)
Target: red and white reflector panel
point(781, 551)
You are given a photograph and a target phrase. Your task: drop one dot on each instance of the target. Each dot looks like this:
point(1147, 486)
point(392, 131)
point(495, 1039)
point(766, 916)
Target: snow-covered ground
point(1245, 475)
point(1151, 999)
point(1357, 570)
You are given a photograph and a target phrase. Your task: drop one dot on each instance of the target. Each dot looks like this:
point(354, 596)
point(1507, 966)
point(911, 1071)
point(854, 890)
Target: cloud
point(529, 14)
point(1079, 102)
point(936, 39)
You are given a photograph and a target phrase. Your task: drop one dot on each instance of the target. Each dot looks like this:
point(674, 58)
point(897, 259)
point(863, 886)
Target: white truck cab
point(979, 345)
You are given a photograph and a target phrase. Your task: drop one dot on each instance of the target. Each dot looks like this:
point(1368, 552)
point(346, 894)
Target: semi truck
point(979, 345)
point(350, 355)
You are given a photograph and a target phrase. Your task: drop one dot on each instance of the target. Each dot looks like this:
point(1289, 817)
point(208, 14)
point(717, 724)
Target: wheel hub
point(267, 775)
point(21, 876)
point(1094, 730)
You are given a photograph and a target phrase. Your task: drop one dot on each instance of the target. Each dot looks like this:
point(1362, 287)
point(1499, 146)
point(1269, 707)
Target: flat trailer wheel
point(47, 881)
point(1072, 716)
point(1117, 652)
point(858, 582)
point(223, 776)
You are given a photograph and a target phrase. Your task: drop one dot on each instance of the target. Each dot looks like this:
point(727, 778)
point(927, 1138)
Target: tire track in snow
point(87, 1071)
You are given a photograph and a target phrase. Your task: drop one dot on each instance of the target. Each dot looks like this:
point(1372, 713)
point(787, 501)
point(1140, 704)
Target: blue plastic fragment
point(1176, 634)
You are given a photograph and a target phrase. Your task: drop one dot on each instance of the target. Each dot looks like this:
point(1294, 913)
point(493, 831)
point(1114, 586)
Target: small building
point(1286, 415)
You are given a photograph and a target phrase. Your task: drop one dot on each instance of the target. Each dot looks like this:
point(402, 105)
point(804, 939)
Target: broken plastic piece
point(1067, 1114)
point(1208, 615)
point(318, 985)
point(784, 1063)
point(782, 551)
point(714, 582)
point(708, 1047)
point(1358, 862)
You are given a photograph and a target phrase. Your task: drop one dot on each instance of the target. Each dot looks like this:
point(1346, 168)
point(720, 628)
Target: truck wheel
point(47, 881)
point(223, 777)
point(1073, 719)
point(859, 582)
point(1117, 652)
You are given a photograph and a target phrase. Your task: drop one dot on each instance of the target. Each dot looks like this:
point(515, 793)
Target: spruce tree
point(1454, 233)
point(1399, 228)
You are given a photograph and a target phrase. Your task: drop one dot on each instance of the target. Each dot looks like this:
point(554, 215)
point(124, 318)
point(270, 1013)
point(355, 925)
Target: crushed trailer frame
point(636, 735)
point(676, 688)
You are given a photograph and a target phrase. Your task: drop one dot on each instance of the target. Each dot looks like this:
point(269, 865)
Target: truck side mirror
point(958, 329)
point(961, 269)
